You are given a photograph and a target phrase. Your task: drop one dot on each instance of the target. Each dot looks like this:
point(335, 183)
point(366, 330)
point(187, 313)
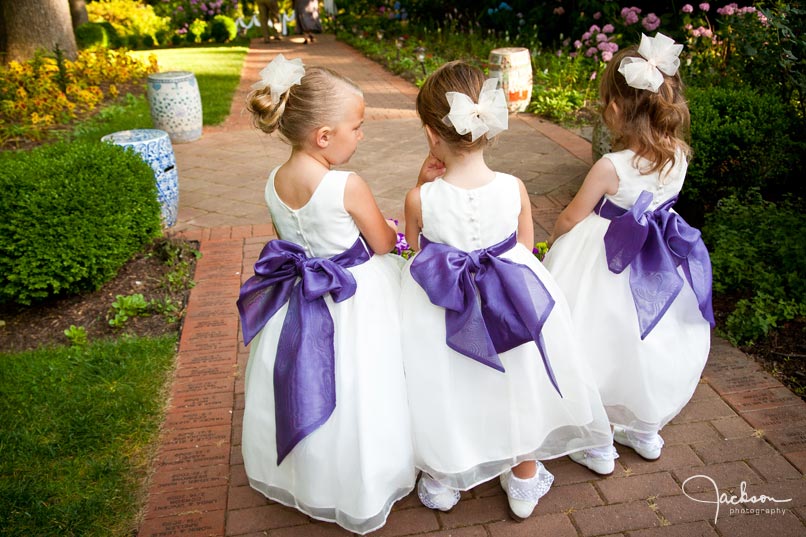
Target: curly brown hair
point(656, 125)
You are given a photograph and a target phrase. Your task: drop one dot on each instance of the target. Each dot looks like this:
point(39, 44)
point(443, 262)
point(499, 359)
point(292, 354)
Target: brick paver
point(741, 429)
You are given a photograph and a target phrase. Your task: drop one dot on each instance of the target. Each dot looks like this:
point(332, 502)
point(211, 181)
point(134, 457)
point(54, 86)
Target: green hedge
point(73, 214)
point(757, 251)
point(741, 140)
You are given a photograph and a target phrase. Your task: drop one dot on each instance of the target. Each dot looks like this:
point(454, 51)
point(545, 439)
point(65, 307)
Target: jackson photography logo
point(743, 504)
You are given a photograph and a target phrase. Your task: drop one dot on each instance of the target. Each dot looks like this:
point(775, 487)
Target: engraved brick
point(787, 440)
point(190, 524)
point(183, 501)
point(180, 439)
point(195, 457)
point(167, 478)
point(777, 418)
point(761, 399)
point(199, 419)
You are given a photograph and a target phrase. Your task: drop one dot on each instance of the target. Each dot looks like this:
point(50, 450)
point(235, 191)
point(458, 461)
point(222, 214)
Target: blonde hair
point(316, 101)
point(432, 105)
point(656, 125)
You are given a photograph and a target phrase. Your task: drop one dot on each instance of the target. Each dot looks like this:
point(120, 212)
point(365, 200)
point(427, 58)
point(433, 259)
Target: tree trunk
point(78, 12)
point(30, 25)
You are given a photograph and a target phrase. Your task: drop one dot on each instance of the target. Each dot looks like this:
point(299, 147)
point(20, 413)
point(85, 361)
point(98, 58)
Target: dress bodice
point(662, 186)
point(322, 226)
point(470, 219)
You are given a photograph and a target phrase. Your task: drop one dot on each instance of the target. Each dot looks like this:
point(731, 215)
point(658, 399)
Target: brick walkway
point(741, 427)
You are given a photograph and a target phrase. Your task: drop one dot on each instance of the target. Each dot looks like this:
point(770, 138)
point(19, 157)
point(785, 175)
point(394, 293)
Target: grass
point(79, 426)
point(217, 70)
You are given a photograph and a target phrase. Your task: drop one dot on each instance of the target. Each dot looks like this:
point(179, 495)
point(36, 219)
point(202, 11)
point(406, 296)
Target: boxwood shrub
point(741, 139)
point(72, 215)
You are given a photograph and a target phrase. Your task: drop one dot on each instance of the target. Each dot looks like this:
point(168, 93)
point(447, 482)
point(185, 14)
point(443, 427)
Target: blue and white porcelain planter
point(154, 147)
point(176, 106)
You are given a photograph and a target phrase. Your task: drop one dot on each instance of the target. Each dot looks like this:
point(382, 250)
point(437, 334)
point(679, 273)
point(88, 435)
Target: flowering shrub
point(135, 23)
point(36, 96)
point(183, 14)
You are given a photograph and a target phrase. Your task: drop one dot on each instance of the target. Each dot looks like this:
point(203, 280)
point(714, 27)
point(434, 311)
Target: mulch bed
point(24, 328)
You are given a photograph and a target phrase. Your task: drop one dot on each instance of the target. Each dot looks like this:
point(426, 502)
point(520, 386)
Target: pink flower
point(577, 44)
point(650, 22)
point(607, 56)
point(597, 15)
point(631, 18)
point(601, 37)
point(595, 28)
point(586, 36)
point(688, 8)
point(608, 28)
point(592, 51)
point(705, 6)
point(559, 10)
point(593, 75)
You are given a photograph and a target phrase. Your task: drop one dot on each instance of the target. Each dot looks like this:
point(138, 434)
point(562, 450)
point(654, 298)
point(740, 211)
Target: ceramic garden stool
point(176, 106)
point(154, 147)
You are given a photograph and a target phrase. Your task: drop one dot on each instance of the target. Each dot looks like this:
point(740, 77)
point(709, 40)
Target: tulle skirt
point(644, 384)
point(470, 422)
point(359, 462)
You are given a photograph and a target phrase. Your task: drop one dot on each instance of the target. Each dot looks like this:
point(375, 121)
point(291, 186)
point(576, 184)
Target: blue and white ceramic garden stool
point(154, 147)
point(176, 105)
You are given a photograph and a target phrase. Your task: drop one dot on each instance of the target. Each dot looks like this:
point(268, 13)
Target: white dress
point(359, 462)
point(644, 384)
point(471, 422)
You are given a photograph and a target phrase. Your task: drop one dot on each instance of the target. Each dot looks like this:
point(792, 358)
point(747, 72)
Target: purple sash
point(491, 305)
point(653, 244)
point(304, 368)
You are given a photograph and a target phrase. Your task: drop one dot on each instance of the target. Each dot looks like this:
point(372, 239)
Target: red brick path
point(741, 427)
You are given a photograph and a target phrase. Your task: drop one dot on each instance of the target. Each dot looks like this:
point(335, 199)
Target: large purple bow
point(653, 244)
point(491, 305)
point(304, 368)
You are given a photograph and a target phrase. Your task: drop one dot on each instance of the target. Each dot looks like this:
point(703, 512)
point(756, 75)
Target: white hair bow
point(659, 54)
point(280, 75)
point(489, 116)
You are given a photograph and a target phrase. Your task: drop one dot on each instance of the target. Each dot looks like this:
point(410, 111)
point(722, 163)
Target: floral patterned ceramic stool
point(154, 147)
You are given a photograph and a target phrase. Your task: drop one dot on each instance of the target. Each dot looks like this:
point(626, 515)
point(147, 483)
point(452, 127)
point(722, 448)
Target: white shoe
point(523, 494)
point(647, 445)
point(599, 460)
point(435, 495)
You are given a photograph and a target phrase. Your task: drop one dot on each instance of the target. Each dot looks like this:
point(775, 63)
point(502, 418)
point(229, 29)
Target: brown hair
point(654, 124)
point(315, 101)
point(432, 105)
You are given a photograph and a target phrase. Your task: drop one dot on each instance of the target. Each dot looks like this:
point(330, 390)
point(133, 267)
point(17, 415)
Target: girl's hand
point(431, 169)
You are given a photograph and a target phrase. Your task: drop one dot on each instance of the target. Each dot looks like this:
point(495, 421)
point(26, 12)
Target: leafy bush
point(73, 214)
point(740, 139)
point(32, 100)
point(757, 251)
point(223, 29)
point(133, 21)
point(92, 34)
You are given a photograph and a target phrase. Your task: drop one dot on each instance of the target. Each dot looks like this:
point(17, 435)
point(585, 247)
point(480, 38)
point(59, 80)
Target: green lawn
point(217, 70)
point(78, 429)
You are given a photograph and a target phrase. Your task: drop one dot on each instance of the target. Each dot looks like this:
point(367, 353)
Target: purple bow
point(304, 368)
point(491, 305)
point(653, 244)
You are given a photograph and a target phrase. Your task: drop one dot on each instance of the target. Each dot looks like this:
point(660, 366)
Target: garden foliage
point(741, 139)
point(757, 251)
point(73, 214)
point(47, 91)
